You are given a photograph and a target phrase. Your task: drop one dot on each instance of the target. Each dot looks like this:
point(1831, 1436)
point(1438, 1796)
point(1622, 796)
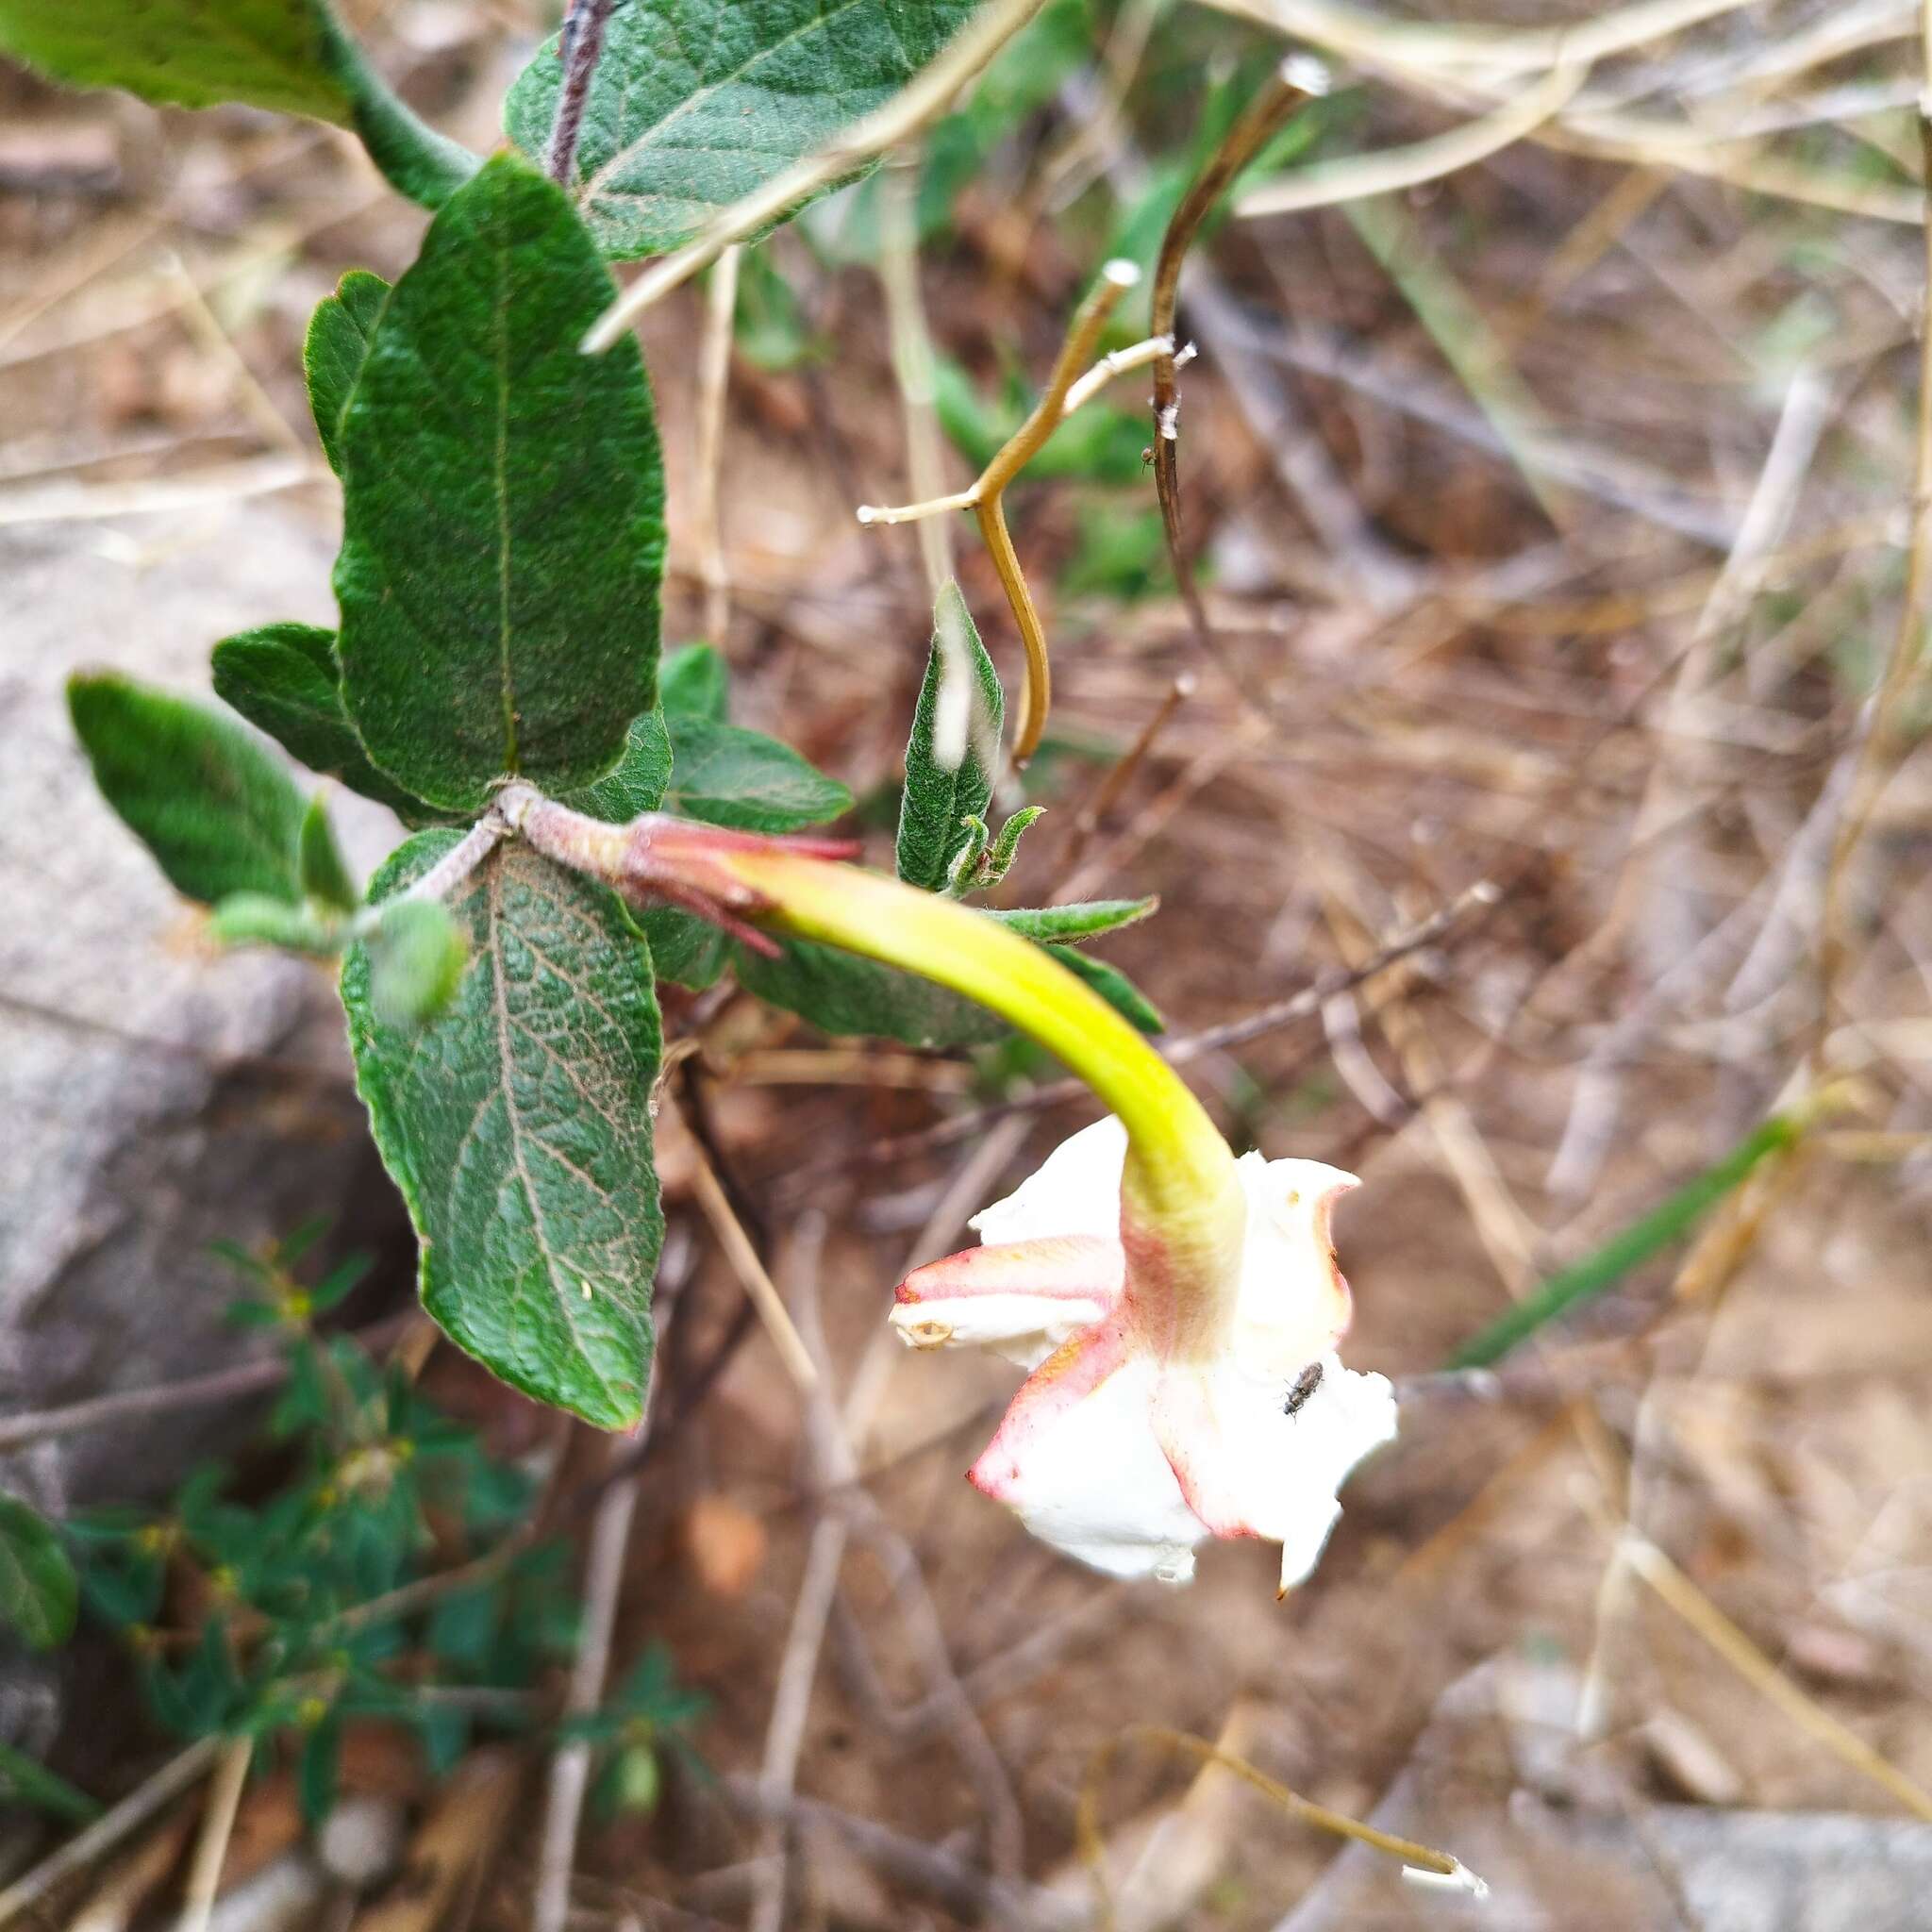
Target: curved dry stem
point(1418, 1860)
point(1071, 383)
point(1294, 83)
point(1036, 693)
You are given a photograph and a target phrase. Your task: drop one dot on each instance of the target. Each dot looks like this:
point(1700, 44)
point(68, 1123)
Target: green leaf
point(1629, 1248)
point(416, 958)
point(317, 1771)
point(283, 679)
point(1113, 986)
point(502, 510)
point(219, 814)
point(697, 103)
point(696, 682)
point(846, 994)
point(953, 751)
point(324, 871)
point(40, 1595)
point(193, 53)
point(636, 783)
point(340, 333)
point(518, 1126)
point(1081, 922)
point(729, 776)
point(683, 947)
point(291, 56)
point(253, 919)
point(32, 1783)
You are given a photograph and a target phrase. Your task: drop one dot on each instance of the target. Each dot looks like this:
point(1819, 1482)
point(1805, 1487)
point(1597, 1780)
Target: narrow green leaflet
point(1085, 921)
point(1629, 1247)
point(324, 871)
point(193, 53)
point(502, 510)
point(729, 776)
point(954, 751)
point(251, 919)
point(29, 1783)
point(696, 682)
point(283, 679)
point(40, 1595)
point(291, 56)
point(217, 811)
point(697, 103)
point(518, 1126)
point(340, 333)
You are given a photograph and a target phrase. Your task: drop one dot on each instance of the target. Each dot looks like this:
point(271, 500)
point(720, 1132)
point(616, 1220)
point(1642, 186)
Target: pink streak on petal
point(1068, 1375)
point(1190, 1436)
point(1075, 1267)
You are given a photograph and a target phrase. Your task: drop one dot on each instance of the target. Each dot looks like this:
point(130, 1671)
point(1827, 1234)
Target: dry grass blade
point(154, 1794)
point(1327, 183)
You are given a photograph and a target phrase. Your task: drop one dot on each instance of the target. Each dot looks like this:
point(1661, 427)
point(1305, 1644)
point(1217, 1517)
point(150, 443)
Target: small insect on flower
point(1302, 1387)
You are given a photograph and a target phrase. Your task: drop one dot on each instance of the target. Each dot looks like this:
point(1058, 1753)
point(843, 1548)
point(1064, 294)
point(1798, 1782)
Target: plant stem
point(1292, 85)
point(580, 46)
point(461, 860)
point(1070, 385)
point(218, 1827)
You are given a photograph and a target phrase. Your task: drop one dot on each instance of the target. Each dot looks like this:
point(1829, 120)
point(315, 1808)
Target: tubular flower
point(1179, 1308)
point(1128, 1443)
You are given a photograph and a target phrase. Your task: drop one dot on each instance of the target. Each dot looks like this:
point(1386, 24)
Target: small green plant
point(391, 1571)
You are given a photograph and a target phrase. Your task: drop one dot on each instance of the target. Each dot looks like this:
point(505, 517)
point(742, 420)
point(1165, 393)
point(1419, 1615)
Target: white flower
point(1117, 1449)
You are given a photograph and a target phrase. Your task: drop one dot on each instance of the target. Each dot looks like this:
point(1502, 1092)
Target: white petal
point(1286, 1468)
point(1076, 1189)
point(1294, 1303)
point(1096, 1485)
point(1024, 1328)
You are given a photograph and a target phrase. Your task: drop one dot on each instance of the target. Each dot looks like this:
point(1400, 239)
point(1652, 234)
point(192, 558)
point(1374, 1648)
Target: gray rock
point(154, 1093)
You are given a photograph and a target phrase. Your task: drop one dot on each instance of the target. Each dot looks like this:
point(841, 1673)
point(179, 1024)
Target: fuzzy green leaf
point(696, 682)
point(1085, 921)
point(502, 510)
point(325, 872)
point(193, 53)
point(729, 776)
point(40, 1595)
point(333, 351)
point(683, 947)
point(218, 813)
point(844, 992)
point(291, 56)
point(697, 103)
point(636, 783)
point(518, 1127)
point(1113, 986)
point(953, 751)
point(284, 680)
